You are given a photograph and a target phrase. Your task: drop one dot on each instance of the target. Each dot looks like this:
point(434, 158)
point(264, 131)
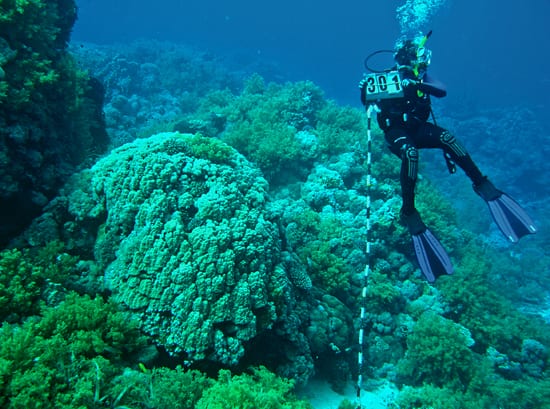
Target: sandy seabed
point(320, 394)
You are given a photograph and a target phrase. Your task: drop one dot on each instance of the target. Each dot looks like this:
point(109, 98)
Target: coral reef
point(269, 124)
point(152, 85)
point(504, 133)
point(237, 240)
point(76, 354)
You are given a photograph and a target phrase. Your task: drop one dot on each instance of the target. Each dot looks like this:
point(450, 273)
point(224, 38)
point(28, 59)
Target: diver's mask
point(423, 60)
point(424, 56)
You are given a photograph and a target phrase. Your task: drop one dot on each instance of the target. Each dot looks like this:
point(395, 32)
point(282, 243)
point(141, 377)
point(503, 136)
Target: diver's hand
point(363, 88)
point(408, 83)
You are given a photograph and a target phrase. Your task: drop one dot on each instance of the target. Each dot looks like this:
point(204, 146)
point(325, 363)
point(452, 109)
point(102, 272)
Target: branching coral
point(27, 279)
point(491, 318)
point(55, 361)
point(261, 390)
point(72, 357)
point(438, 353)
point(264, 120)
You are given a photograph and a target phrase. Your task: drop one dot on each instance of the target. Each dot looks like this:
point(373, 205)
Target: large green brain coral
point(194, 248)
point(179, 224)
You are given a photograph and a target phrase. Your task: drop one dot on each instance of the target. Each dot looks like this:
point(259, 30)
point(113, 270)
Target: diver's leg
point(459, 155)
point(432, 257)
point(508, 215)
point(408, 176)
point(433, 136)
point(402, 146)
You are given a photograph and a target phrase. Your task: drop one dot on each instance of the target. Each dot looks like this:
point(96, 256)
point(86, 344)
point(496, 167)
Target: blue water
point(491, 51)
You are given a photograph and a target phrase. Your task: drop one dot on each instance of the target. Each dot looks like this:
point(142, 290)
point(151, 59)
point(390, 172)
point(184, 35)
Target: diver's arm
point(432, 86)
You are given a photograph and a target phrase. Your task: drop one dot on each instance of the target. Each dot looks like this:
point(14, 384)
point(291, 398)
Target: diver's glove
point(362, 87)
point(408, 83)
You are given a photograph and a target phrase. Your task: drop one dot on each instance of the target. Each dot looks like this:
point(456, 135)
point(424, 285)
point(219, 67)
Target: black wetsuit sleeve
point(364, 93)
point(432, 86)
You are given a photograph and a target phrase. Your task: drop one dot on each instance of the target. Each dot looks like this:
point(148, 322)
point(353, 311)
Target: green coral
point(313, 235)
point(339, 128)
point(527, 393)
point(28, 275)
point(259, 390)
point(54, 361)
point(264, 120)
point(382, 294)
point(91, 326)
point(438, 213)
point(158, 388)
point(327, 270)
point(438, 352)
point(270, 145)
point(485, 354)
point(491, 318)
point(430, 396)
point(211, 149)
point(487, 391)
point(284, 126)
point(73, 356)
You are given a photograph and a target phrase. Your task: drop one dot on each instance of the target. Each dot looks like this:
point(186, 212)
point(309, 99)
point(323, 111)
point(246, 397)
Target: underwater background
point(183, 194)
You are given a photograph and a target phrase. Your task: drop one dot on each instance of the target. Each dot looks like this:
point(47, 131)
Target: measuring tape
point(363, 313)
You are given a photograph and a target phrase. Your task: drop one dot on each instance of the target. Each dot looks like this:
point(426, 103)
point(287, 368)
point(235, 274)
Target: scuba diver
point(401, 98)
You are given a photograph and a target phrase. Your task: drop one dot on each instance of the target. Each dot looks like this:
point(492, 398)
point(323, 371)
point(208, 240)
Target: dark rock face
point(51, 118)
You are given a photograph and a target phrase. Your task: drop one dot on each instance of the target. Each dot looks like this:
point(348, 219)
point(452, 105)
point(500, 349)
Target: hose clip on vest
point(405, 117)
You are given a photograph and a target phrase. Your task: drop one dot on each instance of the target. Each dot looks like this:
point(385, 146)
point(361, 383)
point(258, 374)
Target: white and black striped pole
point(360, 357)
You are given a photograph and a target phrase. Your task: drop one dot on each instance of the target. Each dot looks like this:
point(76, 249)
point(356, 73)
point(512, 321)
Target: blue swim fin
point(432, 257)
point(508, 215)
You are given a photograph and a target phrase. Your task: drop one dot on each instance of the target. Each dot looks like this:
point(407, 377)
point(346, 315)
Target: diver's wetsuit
point(406, 129)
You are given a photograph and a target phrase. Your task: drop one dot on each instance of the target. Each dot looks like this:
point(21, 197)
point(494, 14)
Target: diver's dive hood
point(411, 54)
